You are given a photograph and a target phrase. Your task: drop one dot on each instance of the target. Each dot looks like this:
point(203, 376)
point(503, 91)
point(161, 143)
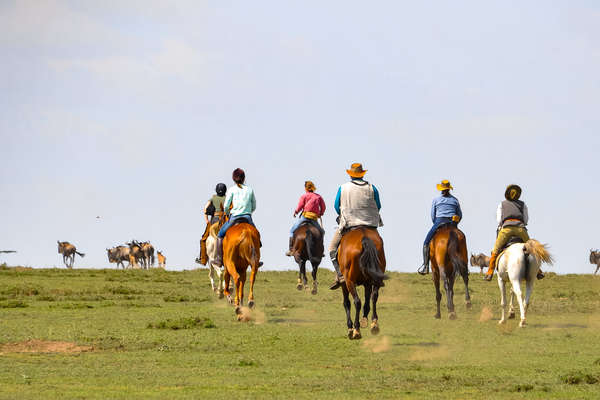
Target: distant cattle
point(135, 254)
point(68, 252)
point(480, 260)
point(119, 255)
point(595, 259)
point(161, 260)
point(148, 254)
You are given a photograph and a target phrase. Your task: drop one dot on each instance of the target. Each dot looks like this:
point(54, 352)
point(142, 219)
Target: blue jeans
point(300, 221)
point(436, 224)
point(229, 223)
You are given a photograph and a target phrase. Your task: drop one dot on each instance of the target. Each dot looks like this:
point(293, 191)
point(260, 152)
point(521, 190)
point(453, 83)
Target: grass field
point(158, 334)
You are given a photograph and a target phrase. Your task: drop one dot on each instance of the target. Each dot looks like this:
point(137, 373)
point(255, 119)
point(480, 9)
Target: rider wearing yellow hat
point(445, 209)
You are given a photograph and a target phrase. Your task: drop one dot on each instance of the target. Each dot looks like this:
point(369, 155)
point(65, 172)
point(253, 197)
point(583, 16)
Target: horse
point(449, 258)
point(520, 262)
point(161, 259)
point(241, 248)
point(211, 253)
point(307, 246)
point(68, 252)
point(362, 262)
point(480, 260)
point(595, 259)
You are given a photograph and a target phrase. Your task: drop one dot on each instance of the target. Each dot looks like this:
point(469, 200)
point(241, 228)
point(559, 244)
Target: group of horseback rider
point(357, 203)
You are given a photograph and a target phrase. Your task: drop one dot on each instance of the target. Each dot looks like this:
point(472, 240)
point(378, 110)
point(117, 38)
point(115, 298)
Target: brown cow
point(161, 260)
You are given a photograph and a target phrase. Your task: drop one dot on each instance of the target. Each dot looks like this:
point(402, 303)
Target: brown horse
point(241, 248)
point(362, 262)
point(449, 258)
point(307, 246)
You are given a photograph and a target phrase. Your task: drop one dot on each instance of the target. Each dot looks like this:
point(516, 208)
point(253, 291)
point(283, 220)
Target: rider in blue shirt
point(445, 209)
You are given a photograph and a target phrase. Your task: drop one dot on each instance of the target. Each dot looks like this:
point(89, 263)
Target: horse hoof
point(313, 291)
point(452, 315)
point(251, 304)
point(221, 295)
point(522, 324)
point(356, 334)
point(350, 336)
point(299, 286)
point(364, 322)
point(469, 305)
point(511, 315)
point(374, 328)
point(229, 300)
point(437, 316)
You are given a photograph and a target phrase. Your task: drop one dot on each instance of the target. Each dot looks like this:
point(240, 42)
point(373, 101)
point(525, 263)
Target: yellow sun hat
point(444, 185)
point(513, 192)
point(356, 170)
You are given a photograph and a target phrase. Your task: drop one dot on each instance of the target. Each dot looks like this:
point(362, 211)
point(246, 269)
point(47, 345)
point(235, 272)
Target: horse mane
point(539, 251)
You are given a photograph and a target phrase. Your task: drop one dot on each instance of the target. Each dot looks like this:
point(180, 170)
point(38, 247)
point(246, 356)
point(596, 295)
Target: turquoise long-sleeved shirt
point(242, 198)
point(336, 205)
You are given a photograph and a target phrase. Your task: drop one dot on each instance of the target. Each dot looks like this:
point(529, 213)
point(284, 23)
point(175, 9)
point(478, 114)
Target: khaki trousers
point(508, 232)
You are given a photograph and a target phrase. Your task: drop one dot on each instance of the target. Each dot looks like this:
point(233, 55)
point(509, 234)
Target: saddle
point(511, 241)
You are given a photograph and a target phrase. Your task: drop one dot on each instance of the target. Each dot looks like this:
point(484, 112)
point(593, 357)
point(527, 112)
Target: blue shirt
point(445, 206)
point(336, 205)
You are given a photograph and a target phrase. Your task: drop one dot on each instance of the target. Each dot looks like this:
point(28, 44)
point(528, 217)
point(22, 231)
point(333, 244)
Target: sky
point(133, 111)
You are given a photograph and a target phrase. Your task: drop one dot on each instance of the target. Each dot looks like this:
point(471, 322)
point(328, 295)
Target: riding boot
point(424, 270)
point(219, 259)
point(290, 252)
point(339, 279)
point(540, 274)
point(490, 272)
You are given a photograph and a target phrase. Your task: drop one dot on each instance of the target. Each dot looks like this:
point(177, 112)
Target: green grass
point(161, 334)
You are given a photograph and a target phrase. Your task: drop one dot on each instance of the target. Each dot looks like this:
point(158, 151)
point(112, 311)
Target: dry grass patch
point(43, 346)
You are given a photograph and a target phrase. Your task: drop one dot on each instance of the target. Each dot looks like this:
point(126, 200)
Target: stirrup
point(540, 275)
point(339, 281)
point(424, 270)
point(289, 253)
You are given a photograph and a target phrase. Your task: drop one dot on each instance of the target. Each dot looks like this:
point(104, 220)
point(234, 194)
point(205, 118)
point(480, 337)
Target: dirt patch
point(377, 344)
point(43, 346)
point(486, 314)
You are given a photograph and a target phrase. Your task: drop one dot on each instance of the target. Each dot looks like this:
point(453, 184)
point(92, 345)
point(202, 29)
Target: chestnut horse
point(362, 262)
point(307, 246)
point(449, 258)
point(241, 248)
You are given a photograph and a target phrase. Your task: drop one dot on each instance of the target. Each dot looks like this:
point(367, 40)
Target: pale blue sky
point(134, 110)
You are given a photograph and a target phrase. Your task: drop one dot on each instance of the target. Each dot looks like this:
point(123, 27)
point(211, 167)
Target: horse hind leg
point(465, 277)
point(211, 276)
point(511, 305)
point(346, 303)
point(301, 275)
point(366, 307)
point(438, 293)
point(517, 290)
point(449, 287)
point(315, 268)
point(374, 318)
point(357, 306)
point(502, 286)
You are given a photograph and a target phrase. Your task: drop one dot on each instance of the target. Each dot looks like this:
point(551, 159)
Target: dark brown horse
point(307, 246)
point(449, 258)
point(241, 248)
point(362, 262)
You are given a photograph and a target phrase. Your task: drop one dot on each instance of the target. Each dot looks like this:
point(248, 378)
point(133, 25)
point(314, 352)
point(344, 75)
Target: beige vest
point(358, 207)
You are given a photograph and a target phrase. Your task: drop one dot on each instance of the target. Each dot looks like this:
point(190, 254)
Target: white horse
point(520, 262)
point(213, 270)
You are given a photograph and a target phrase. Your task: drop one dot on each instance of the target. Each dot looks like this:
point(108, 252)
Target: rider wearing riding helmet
point(445, 209)
point(312, 206)
point(512, 216)
point(244, 204)
point(212, 212)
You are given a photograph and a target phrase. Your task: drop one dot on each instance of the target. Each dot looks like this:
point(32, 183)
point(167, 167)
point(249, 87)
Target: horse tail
point(539, 251)
point(249, 251)
point(80, 254)
point(308, 243)
point(369, 262)
point(458, 264)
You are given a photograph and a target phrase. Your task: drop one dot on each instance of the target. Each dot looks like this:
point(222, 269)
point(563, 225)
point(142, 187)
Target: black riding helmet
point(221, 189)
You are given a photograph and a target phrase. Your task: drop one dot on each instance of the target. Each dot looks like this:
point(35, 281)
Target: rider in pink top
point(312, 206)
